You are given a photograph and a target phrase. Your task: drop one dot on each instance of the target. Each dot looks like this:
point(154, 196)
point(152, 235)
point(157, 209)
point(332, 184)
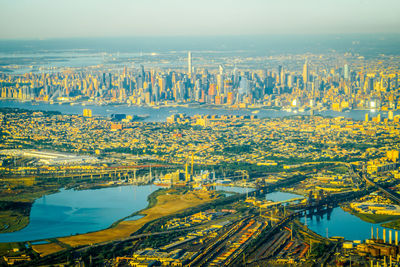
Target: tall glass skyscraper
point(189, 62)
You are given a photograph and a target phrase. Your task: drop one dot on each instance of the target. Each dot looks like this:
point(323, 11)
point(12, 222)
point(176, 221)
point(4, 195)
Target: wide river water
point(338, 222)
point(161, 114)
point(71, 212)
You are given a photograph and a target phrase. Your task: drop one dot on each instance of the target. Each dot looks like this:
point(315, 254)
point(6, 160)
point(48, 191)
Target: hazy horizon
point(365, 44)
point(219, 36)
point(26, 19)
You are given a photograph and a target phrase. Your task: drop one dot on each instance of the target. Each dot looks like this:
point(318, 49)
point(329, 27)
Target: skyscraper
point(189, 62)
point(221, 70)
point(346, 73)
point(279, 74)
point(305, 72)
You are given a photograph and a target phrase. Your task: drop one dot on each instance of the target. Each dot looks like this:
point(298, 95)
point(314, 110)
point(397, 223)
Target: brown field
point(166, 205)
point(46, 249)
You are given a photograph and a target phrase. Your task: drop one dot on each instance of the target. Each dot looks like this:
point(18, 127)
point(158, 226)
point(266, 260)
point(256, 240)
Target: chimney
point(384, 235)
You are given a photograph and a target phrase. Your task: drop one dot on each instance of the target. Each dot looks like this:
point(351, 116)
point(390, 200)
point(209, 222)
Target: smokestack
point(384, 235)
point(377, 233)
point(372, 232)
point(186, 172)
point(396, 238)
point(390, 236)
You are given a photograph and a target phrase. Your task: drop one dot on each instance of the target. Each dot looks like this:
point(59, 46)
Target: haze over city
point(26, 19)
point(199, 133)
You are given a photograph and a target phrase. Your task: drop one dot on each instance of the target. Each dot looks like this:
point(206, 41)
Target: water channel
point(70, 212)
point(161, 114)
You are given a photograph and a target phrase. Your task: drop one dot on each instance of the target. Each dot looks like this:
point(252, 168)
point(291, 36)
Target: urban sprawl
point(325, 164)
point(336, 82)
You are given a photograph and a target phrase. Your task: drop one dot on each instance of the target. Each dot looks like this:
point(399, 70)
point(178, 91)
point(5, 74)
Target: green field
point(376, 218)
point(393, 224)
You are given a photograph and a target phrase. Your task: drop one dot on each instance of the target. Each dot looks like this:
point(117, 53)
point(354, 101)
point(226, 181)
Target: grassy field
point(15, 204)
point(167, 204)
point(11, 221)
point(393, 224)
point(340, 169)
point(47, 249)
point(376, 218)
point(6, 247)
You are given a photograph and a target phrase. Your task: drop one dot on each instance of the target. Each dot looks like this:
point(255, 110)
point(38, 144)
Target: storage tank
point(348, 245)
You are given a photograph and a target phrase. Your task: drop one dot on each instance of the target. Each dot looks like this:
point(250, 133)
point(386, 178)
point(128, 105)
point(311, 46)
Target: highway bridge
point(383, 190)
point(302, 208)
point(363, 177)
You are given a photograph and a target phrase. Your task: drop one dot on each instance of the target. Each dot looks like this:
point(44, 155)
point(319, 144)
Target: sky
point(41, 19)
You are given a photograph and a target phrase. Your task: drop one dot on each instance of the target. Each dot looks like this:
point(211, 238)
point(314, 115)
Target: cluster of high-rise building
point(337, 87)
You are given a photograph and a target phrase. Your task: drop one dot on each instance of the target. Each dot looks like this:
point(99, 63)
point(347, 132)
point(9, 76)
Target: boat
point(255, 111)
point(162, 184)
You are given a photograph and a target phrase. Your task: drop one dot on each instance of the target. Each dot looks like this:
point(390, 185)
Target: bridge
point(383, 190)
point(370, 182)
point(301, 209)
point(119, 172)
point(330, 200)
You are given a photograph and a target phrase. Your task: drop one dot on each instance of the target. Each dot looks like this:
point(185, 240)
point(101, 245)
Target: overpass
point(383, 190)
point(373, 184)
point(301, 209)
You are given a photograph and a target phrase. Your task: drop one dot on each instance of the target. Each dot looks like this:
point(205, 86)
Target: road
point(383, 190)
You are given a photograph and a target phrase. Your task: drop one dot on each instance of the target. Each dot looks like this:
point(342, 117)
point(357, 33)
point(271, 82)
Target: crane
point(244, 174)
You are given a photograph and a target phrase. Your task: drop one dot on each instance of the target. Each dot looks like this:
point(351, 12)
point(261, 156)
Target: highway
point(373, 184)
point(383, 190)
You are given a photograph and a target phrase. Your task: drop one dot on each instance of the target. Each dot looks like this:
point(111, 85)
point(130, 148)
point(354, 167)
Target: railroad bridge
point(328, 202)
point(120, 172)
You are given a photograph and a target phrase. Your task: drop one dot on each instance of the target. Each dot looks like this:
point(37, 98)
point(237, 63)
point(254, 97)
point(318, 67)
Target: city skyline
point(199, 133)
point(44, 19)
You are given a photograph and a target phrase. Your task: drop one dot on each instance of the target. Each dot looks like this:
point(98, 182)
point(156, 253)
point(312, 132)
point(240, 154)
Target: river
point(70, 212)
point(160, 114)
point(338, 222)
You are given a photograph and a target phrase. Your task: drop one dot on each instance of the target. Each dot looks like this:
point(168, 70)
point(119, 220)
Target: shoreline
point(161, 204)
point(380, 219)
point(189, 106)
point(24, 216)
point(25, 202)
